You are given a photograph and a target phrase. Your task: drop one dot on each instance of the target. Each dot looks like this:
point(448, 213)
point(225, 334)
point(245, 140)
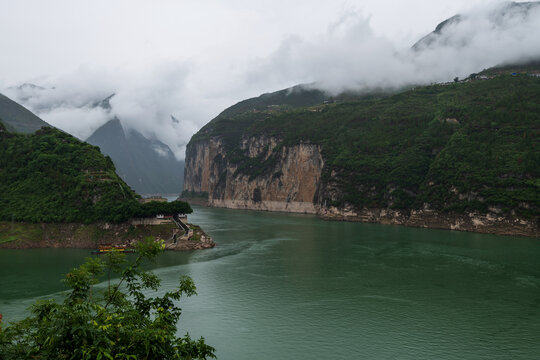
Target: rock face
point(413, 158)
point(488, 223)
point(291, 184)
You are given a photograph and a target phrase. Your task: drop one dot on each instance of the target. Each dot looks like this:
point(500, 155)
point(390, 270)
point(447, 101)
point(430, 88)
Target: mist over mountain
point(347, 56)
point(456, 31)
point(488, 36)
point(148, 166)
point(143, 101)
point(351, 57)
point(17, 118)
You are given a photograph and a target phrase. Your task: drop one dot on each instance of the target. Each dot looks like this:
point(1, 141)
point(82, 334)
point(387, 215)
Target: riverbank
point(19, 235)
point(491, 223)
point(387, 286)
point(432, 219)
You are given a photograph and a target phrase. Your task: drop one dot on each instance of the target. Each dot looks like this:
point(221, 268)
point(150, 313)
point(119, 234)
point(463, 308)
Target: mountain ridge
point(18, 118)
point(441, 36)
point(404, 158)
point(149, 166)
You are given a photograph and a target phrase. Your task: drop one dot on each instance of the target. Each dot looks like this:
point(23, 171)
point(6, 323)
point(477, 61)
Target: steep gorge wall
point(291, 184)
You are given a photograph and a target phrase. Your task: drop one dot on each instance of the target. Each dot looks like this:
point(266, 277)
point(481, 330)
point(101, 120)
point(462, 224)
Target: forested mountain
point(459, 148)
point(460, 155)
point(50, 176)
point(53, 177)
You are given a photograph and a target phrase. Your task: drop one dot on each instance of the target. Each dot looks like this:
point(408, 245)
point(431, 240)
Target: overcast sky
point(194, 58)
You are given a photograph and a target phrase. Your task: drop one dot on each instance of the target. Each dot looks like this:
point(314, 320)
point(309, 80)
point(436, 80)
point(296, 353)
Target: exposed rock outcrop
point(489, 223)
point(288, 178)
point(291, 184)
point(75, 235)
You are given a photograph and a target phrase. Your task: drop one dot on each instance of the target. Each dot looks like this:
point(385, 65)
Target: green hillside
point(297, 96)
point(463, 146)
point(51, 176)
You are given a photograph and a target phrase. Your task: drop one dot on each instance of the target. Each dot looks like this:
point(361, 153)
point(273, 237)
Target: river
point(284, 286)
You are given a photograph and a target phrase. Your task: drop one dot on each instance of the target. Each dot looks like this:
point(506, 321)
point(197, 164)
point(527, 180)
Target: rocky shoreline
point(490, 223)
point(16, 235)
point(195, 239)
point(431, 219)
point(267, 173)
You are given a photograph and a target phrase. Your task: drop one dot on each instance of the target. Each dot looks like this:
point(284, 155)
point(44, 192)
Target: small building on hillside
point(159, 219)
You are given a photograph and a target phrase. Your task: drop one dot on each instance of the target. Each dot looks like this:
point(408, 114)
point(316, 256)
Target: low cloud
point(161, 151)
point(88, 120)
point(347, 56)
point(144, 100)
point(68, 102)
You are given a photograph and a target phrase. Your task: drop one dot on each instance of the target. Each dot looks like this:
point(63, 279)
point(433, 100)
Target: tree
point(120, 323)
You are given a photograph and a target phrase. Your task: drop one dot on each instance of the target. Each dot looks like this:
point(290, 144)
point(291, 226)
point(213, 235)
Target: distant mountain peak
point(28, 86)
point(19, 118)
point(498, 17)
point(147, 165)
point(105, 103)
point(112, 128)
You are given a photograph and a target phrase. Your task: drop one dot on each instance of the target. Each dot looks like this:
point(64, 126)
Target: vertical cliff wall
point(453, 157)
point(266, 175)
point(262, 173)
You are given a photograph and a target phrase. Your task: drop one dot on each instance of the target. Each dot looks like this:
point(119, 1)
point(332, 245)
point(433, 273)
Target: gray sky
point(194, 58)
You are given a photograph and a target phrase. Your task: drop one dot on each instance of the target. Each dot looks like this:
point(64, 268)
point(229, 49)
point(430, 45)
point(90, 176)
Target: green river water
point(281, 286)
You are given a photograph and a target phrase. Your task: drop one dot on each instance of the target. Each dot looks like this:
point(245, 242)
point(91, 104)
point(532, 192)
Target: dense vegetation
point(462, 146)
point(51, 176)
point(297, 96)
point(118, 322)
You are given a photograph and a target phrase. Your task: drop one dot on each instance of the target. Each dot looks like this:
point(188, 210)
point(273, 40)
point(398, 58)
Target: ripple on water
point(388, 298)
point(220, 252)
point(278, 287)
point(528, 281)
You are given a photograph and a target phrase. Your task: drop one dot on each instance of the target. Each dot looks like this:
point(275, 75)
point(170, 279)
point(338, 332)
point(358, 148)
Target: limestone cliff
point(435, 156)
point(294, 184)
point(489, 223)
point(290, 185)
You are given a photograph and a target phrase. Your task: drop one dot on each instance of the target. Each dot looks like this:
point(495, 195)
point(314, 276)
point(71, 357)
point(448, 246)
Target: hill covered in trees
point(50, 176)
point(470, 146)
